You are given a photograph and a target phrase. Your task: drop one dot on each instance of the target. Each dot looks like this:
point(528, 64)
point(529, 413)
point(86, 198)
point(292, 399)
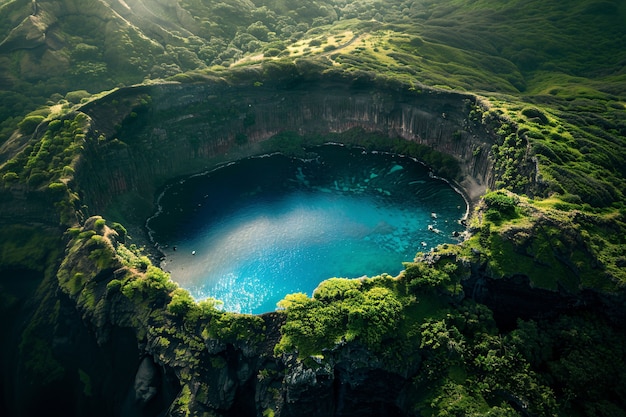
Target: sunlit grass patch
point(318, 44)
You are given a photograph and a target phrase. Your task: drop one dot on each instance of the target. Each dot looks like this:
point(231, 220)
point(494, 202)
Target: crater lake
point(252, 231)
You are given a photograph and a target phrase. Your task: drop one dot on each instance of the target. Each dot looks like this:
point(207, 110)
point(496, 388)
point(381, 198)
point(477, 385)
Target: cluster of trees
point(471, 369)
point(341, 310)
point(51, 157)
point(462, 362)
point(500, 205)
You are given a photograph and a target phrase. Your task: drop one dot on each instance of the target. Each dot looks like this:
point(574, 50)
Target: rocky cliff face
point(189, 128)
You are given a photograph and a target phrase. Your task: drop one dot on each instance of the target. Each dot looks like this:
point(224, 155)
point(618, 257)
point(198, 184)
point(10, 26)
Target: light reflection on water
point(274, 226)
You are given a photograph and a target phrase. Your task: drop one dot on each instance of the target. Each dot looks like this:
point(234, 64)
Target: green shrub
point(68, 171)
point(10, 177)
point(181, 302)
point(75, 97)
point(419, 275)
point(86, 234)
point(37, 178)
point(57, 188)
point(28, 125)
point(232, 327)
point(341, 309)
point(375, 317)
point(493, 215)
point(121, 231)
point(159, 279)
point(99, 224)
point(271, 52)
point(501, 202)
point(114, 285)
point(535, 114)
point(142, 263)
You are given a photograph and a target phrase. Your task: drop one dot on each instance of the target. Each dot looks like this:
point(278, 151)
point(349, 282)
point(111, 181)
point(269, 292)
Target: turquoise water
point(253, 231)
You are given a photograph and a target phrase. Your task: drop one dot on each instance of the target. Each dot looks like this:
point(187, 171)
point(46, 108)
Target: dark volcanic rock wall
point(185, 128)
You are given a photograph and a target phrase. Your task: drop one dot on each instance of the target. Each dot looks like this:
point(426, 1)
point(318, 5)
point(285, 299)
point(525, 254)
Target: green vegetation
point(554, 243)
point(514, 47)
point(470, 369)
point(463, 364)
point(499, 205)
point(29, 248)
point(44, 160)
point(551, 93)
point(340, 311)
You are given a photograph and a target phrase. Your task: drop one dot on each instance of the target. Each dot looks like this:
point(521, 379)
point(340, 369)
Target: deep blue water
point(253, 231)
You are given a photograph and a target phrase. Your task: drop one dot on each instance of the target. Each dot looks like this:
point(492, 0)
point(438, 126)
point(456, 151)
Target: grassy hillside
point(530, 47)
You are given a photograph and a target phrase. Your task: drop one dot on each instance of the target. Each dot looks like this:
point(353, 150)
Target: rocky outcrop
point(350, 381)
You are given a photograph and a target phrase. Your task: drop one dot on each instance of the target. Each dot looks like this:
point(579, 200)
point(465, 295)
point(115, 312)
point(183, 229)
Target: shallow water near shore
point(253, 231)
